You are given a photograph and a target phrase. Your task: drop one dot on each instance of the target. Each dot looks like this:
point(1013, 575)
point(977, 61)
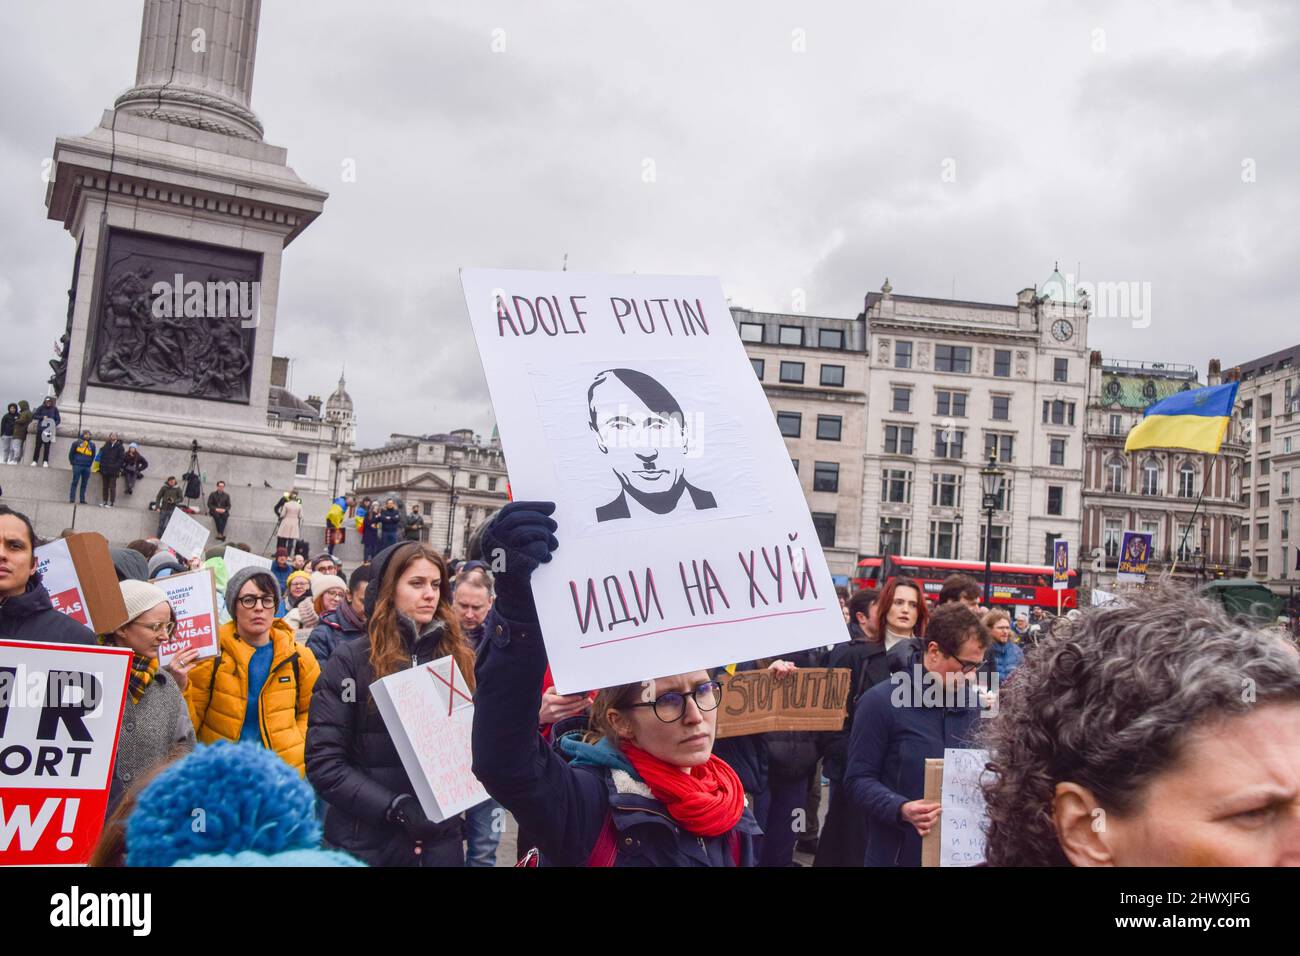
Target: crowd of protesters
point(1135, 711)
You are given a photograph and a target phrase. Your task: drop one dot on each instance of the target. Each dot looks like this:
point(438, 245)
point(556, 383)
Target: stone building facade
point(320, 435)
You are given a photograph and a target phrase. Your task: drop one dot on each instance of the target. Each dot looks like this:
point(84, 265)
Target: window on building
point(997, 540)
point(893, 535)
point(1002, 447)
point(1060, 370)
point(1286, 525)
point(1248, 408)
point(902, 355)
point(902, 398)
point(1002, 363)
point(1057, 452)
point(1265, 407)
point(1152, 528)
point(791, 335)
point(1055, 499)
point(896, 485)
point(826, 476)
point(1186, 542)
point(1286, 482)
point(1263, 498)
point(758, 367)
point(300, 467)
point(1116, 425)
point(945, 490)
point(824, 522)
point(1261, 531)
point(751, 332)
point(1261, 563)
point(492, 484)
point(473, 481)
point(1266, 433)
point(1058, 412)
point(1001, 408)
point(952, 358)
point(1002, 500)
point(950, 404)
point(949, 442)
point(1264, 466)
point(945, 539)
point(830, 338)
point(828, 427)
point(795, 462)
point(1115, 475)
point(1186, 480)
point(1151, 477)
point(1245, 531)
point(1111, 535)
point(1286, 445)
point(791, 372)
point(1245, 468)
point(833, 375)
point(898, 439)
point(790, 423)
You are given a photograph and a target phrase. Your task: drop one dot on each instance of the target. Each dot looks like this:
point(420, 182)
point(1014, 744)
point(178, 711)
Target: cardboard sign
point(1060, 564)
point(184, 535)
point(1134, 555)
point(60, 706)
point(685, 538)
point(78, 573)
point(811, 698)
point(193, 597)
point(236, 559)
point(956, 782)
point(429, 712)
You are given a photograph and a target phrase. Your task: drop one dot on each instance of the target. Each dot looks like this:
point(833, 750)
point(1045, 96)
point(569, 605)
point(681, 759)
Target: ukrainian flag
point(1196, 420)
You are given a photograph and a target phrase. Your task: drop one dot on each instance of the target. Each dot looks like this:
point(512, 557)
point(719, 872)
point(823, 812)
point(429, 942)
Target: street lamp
point(991, 483)
point(451, 507)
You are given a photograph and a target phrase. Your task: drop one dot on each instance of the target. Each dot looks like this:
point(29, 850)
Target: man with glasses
point(916, 714)
point(258, 689)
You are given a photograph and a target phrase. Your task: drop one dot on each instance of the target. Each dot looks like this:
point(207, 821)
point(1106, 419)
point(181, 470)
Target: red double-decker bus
point(1026, 585)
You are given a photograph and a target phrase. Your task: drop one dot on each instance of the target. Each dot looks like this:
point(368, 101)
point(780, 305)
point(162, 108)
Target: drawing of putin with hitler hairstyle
point(641, 429)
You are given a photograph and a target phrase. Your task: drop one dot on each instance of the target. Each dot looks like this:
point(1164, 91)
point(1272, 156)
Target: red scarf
point(708, 801)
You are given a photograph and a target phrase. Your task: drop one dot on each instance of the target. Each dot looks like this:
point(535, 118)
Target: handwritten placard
point(236, 559)
point(184, 535)
point(810, 698)
point(963, 820)
point(429, 712)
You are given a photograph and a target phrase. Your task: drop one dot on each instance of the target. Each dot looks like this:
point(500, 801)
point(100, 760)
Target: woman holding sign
point(155, 722)
point(650, 793)
point(371, 808)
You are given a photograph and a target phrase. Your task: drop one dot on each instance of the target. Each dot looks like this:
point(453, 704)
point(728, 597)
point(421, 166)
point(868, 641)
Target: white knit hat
point(320, 583)
point(140, 596)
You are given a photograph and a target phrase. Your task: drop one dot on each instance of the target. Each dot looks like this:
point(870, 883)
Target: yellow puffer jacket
point(218, 693)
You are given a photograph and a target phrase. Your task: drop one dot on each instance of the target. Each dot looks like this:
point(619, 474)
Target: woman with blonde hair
point(371, 808)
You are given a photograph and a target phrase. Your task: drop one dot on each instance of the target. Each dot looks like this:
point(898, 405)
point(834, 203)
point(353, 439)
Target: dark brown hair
point(958, 586)
point(887, 600)
point(952, 625)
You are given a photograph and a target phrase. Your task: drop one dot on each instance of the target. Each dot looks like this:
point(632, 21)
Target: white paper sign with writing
point(963, 820)
point(236, 559)
point(59, 577)
point(429, 712)
point(685, 538)
point(193, 602)
point(184, 535)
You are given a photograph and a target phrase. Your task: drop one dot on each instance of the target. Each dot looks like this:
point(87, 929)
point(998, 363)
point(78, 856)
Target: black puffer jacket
point(111, 457)
point(351, 760)
point(31, 617)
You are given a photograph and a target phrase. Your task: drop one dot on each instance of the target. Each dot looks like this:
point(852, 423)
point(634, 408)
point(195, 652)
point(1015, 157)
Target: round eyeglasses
point(671, 706)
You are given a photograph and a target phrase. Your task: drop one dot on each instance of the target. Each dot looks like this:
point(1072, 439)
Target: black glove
point(405, 811)
point(523, 532)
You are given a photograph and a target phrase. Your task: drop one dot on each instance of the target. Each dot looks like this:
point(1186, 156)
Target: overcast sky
point(816, 146)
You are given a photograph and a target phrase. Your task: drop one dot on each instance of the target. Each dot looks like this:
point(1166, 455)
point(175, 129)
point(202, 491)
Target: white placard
point(685, 538)
point(236, 559)
point(193, 599)
point(429, 712)
point(62, 705)
point(59, 578)
point(184, 535)
point(963, 820)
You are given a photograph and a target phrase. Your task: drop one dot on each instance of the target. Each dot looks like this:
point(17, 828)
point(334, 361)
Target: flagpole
point(1192, 521)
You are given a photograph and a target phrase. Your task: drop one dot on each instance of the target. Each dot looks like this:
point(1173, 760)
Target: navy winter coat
point(31, 617)
point(564, 806)
point(334, 628)
point(886, 760)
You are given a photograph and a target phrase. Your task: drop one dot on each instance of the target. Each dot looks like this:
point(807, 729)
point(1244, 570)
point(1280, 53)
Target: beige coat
point(291, 520)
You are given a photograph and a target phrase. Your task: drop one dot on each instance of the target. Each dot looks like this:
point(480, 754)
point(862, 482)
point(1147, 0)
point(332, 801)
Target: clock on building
point(1062, 330)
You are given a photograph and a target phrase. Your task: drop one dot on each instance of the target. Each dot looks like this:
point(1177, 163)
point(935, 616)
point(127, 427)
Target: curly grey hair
point(1109, 700)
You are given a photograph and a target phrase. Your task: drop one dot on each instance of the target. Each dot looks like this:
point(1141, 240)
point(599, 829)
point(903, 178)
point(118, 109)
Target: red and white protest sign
point(60, 707)
point(59, 575)
point(193, 598)
point(429, 712)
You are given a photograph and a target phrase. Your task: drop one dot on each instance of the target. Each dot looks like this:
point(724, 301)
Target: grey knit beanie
point(240, 578)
